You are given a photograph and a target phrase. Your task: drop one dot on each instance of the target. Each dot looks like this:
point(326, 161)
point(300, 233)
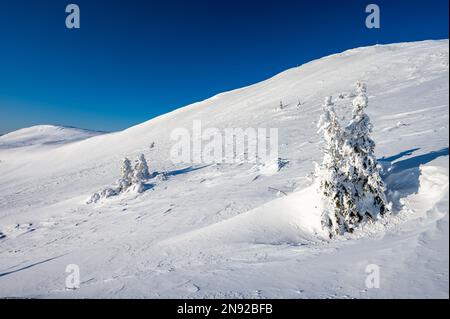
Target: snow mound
point(293, 219)
point(44, 135)
point(434, 187)
point(422, 201)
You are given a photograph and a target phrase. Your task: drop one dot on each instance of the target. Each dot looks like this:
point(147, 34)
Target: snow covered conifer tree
point(361, 168)
point(140, 173)
point(331, 177)
point(141, 169)
point(126, 174)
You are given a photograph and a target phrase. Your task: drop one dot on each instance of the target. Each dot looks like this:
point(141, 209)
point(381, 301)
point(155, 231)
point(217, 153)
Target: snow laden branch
point(349, 176)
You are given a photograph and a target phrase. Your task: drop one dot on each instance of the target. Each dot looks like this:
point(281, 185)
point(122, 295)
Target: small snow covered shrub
point(105, 193)
point(349, 176)
point(132, 179)
point(126, 178)
point(273, 166)
point(140, 172)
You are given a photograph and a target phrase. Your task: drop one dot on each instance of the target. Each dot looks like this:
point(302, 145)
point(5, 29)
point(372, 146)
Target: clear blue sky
point(133, 60)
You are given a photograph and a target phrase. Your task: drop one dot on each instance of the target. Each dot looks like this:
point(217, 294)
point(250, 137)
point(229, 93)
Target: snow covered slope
point(229, 230)
point(44, 135)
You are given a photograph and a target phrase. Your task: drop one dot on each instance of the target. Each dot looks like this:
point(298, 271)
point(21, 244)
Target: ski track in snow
point(226, 231)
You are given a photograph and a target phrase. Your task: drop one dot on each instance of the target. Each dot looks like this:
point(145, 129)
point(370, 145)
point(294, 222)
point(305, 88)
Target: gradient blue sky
point(133, 60)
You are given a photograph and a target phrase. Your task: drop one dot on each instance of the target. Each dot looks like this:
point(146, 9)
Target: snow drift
point(233, 230)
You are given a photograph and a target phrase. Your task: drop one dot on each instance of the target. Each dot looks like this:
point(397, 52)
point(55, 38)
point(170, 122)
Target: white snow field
point(232, 230)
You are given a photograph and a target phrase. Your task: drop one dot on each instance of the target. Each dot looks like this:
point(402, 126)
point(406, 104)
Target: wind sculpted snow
point(233, 230)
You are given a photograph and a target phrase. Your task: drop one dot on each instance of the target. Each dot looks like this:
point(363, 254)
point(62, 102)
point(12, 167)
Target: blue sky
point(133, 60)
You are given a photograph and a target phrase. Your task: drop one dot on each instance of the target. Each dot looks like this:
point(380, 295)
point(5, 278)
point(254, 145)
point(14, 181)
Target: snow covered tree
point(332, 179)
point(140, 173)
point(366, 198)
point(131, 179)
point(126, 174)
point(141, 169)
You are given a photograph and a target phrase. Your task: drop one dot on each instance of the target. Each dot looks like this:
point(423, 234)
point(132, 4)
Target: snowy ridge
point(226, 230)
point(44, 135)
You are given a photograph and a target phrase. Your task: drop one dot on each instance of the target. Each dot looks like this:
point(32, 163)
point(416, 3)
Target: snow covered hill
point(233, 230)
point(44, 135)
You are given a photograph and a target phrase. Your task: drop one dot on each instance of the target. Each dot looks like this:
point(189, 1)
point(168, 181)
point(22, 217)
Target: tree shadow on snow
point(402, 177)
point(185, 170)
point(147, 186)
point(29, 266)
point(399, 155)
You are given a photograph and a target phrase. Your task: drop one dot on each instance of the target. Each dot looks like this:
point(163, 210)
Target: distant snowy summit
point(45, 135)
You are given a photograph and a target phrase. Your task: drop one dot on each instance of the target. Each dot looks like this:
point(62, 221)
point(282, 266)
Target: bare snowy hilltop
point(42, 135)
point(238, 230)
